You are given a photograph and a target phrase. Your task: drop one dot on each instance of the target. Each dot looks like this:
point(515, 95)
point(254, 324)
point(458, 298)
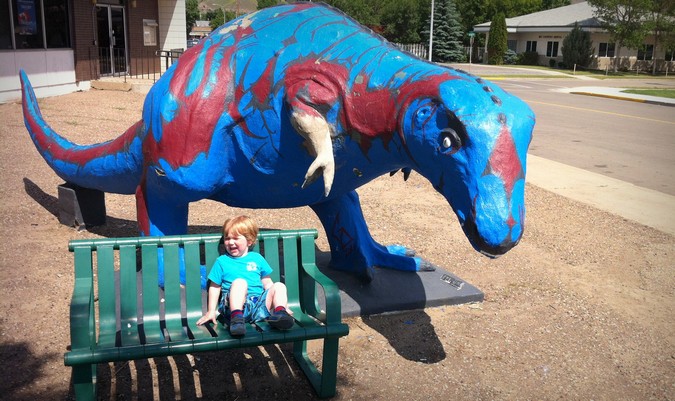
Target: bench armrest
point(82, 330)
point(333, 310)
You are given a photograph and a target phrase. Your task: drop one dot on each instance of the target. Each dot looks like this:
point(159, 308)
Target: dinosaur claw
point(406, 173)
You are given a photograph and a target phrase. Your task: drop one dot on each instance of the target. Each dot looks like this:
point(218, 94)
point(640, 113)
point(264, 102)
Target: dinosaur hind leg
point(156, 217)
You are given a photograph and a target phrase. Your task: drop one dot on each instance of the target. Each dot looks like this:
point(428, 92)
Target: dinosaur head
point(471, 142)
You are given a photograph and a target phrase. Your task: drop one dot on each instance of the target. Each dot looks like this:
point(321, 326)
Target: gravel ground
point(582, 309)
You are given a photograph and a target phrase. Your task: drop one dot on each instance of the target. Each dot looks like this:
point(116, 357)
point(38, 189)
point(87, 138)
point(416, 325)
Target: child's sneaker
point(237, 326)
point(280, 320)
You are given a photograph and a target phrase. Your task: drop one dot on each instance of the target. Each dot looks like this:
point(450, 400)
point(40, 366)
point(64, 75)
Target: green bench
point(116, 282)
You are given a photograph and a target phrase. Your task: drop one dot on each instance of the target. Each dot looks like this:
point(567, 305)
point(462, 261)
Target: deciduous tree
point(625, 22)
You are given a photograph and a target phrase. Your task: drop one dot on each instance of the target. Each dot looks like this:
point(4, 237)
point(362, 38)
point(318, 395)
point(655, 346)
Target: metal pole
point(431, 30)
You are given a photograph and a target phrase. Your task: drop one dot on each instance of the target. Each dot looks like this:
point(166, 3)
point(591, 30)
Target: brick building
point(65, 44)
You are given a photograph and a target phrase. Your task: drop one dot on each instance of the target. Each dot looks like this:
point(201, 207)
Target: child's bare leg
point(277, 304)
point(237, 297)
point(277, 296)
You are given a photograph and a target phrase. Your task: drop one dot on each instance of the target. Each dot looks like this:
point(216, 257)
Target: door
point(112, 44)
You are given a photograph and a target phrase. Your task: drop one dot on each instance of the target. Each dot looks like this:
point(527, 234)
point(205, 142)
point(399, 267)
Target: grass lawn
point(669, 93)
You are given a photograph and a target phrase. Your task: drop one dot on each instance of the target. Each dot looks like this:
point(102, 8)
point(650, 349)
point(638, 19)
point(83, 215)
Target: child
point(249, 295)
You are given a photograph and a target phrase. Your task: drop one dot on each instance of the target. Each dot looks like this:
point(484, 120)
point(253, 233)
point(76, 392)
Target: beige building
point(543, 32)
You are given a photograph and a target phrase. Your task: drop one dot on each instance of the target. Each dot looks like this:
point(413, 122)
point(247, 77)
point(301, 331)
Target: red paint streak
point(373, 113)
point(142, 208)
point(77, 155)
point(191, 130)
point(505, 162)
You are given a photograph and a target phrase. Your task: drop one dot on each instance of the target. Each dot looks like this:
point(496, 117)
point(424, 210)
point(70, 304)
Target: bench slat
point(193, 290)
point(107, 303)
point(172, 292)
point(128, 297)
point(290, 247)
point(150, 274)
point(271, 253)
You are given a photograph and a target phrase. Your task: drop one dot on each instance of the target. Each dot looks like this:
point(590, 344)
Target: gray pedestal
point(81, 207)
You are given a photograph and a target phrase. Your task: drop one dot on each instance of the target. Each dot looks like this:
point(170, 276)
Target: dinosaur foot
point(420, 264)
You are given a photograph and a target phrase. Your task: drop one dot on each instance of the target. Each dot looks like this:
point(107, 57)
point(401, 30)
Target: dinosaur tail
point(114, 166)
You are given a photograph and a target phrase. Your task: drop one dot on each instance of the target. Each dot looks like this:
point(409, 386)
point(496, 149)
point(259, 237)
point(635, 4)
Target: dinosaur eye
point(450, 141)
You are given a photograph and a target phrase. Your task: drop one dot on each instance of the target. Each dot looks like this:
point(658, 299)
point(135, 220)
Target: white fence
point(418, 49)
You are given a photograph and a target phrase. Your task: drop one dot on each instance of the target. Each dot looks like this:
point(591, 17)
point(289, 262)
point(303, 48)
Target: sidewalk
point(617, 93)
point(645, 206)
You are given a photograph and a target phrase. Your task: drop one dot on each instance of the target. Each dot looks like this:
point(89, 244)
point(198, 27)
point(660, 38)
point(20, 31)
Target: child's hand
point(209, 317)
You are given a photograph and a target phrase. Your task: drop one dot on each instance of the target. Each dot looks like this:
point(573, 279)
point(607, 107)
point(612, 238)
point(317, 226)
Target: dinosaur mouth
point(482, 246)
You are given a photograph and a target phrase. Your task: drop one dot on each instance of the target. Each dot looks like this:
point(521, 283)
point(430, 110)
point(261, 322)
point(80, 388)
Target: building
point(543, 32)
point(200, 30)
point(65, 44)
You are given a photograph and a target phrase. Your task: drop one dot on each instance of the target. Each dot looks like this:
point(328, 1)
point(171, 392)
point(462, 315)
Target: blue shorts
point(255, 307)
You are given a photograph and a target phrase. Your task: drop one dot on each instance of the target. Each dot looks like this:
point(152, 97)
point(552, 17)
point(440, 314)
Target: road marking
point(600, 111)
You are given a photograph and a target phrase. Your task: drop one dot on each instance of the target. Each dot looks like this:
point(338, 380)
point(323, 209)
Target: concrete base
point(81, 207)
point(398, 291)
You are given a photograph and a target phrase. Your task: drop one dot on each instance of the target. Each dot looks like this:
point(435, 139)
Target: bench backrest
point(127, 271)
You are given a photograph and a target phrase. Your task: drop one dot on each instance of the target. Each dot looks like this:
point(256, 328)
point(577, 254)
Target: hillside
point(245, 6)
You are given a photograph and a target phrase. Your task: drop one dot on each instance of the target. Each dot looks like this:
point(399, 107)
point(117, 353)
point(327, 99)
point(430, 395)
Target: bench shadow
point(242, 374)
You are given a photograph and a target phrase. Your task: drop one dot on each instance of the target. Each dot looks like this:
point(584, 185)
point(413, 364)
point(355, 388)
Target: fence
point(146, 64)
point(418, 49)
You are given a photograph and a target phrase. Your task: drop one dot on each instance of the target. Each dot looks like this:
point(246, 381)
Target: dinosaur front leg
point(352, 247)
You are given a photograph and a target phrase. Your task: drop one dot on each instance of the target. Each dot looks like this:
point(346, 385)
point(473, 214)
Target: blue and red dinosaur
point(287, 96)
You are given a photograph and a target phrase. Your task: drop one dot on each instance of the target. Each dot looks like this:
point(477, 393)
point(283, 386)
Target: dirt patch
point(581, 309)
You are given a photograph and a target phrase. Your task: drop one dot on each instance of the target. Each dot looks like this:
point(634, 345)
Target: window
point(34, 24)
point(552, 49)
point(57, 27)
point(512, 45)
point(646, 52)
point(670, 55)
point(606, 50)
point(531, 46)
point(5, 28)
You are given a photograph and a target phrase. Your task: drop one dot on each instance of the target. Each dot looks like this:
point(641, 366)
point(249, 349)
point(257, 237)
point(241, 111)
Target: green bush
point(551, 63)
point(510, 57)
point(528, 58)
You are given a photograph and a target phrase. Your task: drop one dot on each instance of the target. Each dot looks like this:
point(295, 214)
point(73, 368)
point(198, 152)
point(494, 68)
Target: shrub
point(528, 58)
point(510, 57)
point(577, 48)
point(551, 63)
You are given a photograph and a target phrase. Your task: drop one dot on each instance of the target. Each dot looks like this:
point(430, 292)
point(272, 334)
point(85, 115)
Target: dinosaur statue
point(274, 102)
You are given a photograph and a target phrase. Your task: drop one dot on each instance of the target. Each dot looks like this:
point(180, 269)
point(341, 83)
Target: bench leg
point(324, 382)
point(84, 382)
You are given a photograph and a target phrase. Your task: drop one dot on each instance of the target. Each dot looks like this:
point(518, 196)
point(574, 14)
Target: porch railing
point(146, 64)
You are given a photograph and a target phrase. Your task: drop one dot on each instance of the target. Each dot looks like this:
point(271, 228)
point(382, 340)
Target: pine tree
point(448, 33)
point(496, 46)
point(577, 48)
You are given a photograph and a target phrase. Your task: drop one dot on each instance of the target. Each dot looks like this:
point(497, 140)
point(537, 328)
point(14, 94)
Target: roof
point(553, 20)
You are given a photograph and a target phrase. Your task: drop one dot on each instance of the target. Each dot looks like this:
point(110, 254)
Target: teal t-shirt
point(252, 267)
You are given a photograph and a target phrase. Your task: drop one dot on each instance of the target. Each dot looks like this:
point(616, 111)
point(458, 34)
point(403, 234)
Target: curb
point(631, 99)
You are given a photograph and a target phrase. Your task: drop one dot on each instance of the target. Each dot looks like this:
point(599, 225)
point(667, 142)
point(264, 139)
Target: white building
point(543, 32)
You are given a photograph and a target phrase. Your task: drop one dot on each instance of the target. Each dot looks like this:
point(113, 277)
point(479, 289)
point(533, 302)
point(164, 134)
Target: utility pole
point(431, 30)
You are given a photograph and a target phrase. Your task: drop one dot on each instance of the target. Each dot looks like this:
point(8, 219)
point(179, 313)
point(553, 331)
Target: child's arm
point(267, 282)
point(211, 313)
